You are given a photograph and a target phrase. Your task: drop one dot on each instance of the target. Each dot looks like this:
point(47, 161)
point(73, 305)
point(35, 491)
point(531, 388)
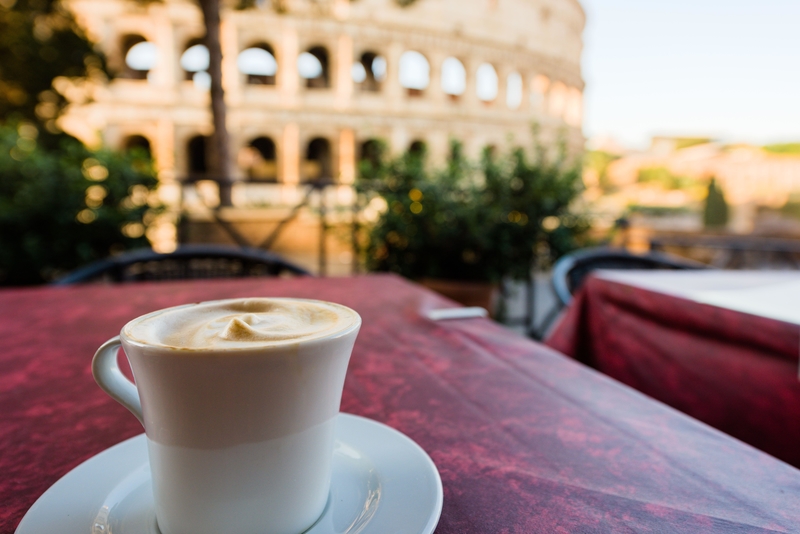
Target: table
point(770, 294)
point(720, 346)
point(526, 440)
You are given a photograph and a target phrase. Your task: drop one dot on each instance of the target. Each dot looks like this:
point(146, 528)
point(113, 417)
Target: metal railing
point(734, 251)
point(308, 192)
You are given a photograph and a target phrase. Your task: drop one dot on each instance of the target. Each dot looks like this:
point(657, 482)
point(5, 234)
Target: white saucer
point(382, 482)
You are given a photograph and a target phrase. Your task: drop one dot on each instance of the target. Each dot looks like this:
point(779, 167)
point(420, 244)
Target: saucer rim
point(433, 518)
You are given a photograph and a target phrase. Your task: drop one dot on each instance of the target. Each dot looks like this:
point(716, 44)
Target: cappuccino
point(240, 434)
point(240, 324)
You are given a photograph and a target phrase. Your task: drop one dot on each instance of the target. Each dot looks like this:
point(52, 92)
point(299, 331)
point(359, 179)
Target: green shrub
point(62, 208)
point(467, 221)
point(715, 213)
point(784, 148)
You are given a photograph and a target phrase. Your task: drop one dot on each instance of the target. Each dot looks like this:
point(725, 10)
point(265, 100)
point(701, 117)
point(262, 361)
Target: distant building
point(750, 177)
point(309, 84)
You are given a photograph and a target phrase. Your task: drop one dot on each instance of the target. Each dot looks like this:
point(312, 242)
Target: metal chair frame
point(588, 260)
point(186, 263)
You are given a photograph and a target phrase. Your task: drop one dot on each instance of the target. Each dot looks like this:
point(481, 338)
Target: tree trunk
point(220, 161)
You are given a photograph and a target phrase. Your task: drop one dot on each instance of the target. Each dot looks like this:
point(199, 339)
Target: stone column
point(165, 40)
point(502, 87)
point(470, 99)
point(438, 147)
point(344, 80)
point(229, 41)
point(347, 156)
point(434, 92)
point(398, 143)
point(287, 81)
point(290, 154)
point(525, 103)
point(163, 148)
point(394, 93)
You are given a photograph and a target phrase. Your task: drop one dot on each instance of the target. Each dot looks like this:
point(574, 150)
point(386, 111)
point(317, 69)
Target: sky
point(726, 69)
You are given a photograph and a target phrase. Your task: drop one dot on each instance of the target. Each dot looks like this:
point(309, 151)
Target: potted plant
point(464, 228)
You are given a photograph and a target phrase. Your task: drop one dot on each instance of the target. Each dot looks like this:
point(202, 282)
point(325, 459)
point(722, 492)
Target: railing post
point(355, 228)
point(323, 231)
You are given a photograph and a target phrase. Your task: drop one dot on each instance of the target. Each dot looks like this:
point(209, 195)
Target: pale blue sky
point(728, 69)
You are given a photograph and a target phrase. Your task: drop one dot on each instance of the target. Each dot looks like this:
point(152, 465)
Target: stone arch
point(313, 66)
point(259, 159)
point(194, 62)
point(318, 161)
point(490, 151)
point(486, 83)
point(415, 72)
point(371, 151)
point(137, 143)
point(454, 78)
point(418, 148)
point(197, 156)
point(258, 63)
point(139, 56)
point(369, 71)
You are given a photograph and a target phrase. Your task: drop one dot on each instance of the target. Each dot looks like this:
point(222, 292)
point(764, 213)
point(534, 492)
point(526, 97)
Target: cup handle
point(111, 380)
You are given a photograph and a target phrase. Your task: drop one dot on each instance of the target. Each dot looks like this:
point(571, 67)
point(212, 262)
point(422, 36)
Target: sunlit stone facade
point(519, 65)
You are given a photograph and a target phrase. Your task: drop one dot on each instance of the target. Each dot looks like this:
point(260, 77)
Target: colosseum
point(310, 83)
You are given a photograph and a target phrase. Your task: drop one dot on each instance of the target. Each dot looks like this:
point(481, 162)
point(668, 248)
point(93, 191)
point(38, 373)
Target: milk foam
point(240, 323)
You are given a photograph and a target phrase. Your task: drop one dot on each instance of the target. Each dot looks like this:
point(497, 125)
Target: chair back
point(186, 263)
point(571, 270)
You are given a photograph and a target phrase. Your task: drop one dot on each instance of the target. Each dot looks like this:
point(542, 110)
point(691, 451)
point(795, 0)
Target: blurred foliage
point(665, 178)
point(784, 148)
point(687, 142)
point(61, 204)
point(60, 209)
point(598, 162)
point(715, 212)
point(40, 41)
point(657, 211)
point(792, 206)
point(481, 221)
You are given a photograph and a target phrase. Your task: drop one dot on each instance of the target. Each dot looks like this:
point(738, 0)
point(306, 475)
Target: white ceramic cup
point(240, 441)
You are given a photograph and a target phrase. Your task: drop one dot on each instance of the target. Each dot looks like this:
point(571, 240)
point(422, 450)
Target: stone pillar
point(163, 147)
point(502, 87)
point(347, 156)
point(470, 97)
point(394, 93)
point(229, 41)
point(525, 103)
point(438, 147)
point(344, 80)
point(539, 86)
point(398, 143)
point(434, 92)
point(164, 72)
point(290, 154)
point(287, 81)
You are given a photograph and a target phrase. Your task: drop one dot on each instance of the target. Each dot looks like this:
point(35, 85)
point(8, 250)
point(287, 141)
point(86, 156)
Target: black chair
point(186, 263)
point(571, 270)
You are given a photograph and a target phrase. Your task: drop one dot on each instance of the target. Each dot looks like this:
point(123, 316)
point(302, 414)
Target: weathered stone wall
point(538, 41)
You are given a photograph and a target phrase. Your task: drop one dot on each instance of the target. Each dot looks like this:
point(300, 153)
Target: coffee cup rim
point(273, 346)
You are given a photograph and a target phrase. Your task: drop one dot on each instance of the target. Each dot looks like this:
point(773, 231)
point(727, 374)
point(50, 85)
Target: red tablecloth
point(735, 371)
point(525, 439)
